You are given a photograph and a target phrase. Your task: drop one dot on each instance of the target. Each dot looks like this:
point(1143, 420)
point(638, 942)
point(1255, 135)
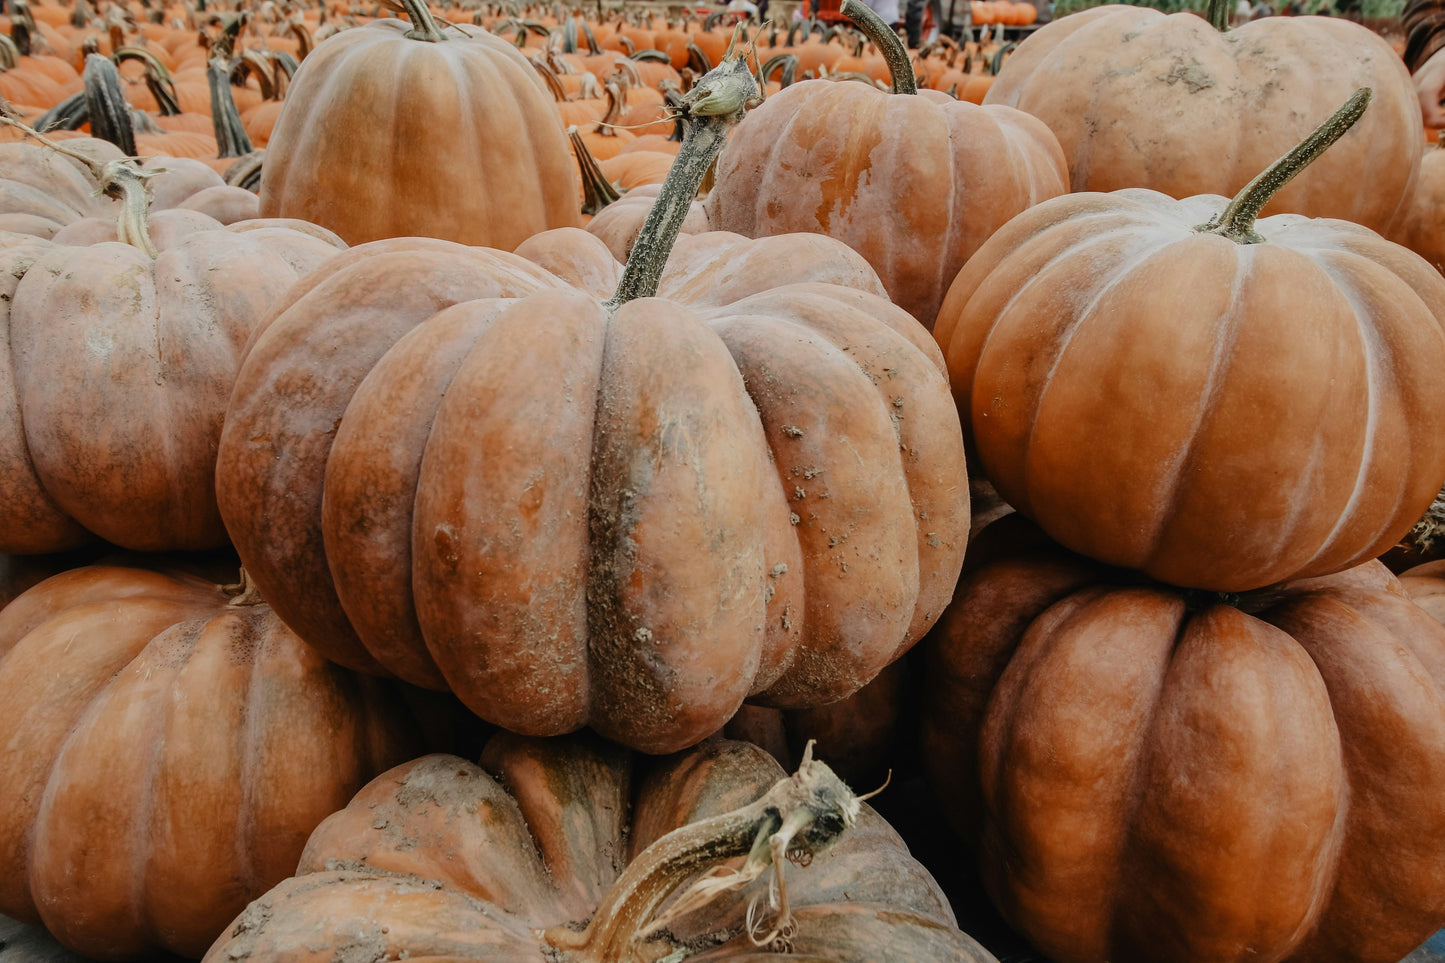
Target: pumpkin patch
point(844, 439)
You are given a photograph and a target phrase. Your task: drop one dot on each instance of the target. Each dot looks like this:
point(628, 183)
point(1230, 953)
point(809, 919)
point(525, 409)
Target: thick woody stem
point(1236, 221)
point(708, 112)
point(802, 814)
point(887, 42)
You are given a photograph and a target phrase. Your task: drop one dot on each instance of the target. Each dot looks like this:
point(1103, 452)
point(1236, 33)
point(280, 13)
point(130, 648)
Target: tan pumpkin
point(1140, 98)
point(1173, 387)
point(565, 850)
point(444, 133)
point(751, 485)
point(914, 181)
point(1154, 774)
point(168, 746)
point(116, 366)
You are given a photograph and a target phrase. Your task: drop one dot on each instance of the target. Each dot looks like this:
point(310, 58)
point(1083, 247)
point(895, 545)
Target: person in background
point(1424, 22)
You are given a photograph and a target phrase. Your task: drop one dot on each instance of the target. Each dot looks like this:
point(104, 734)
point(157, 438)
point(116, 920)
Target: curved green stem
point(887, 42)
point(423, 24)
point(708, 112)
point(1236, 221)
point(1218, 14)
point(597, 190)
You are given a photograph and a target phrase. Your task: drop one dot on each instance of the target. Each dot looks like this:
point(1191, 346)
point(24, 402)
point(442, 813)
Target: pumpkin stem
point(1430, 528)
point(597, 190)
point(800, 817)
point(423, 24)
point(887, 42)
point(708, 112)
point(109, 112)
point(1218, 14)
point(1236, 221)
point(244, 592)
point(230, 133)
point(120, 179)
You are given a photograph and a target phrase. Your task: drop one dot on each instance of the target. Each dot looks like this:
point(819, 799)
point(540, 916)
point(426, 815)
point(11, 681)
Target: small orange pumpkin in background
point(360, 121)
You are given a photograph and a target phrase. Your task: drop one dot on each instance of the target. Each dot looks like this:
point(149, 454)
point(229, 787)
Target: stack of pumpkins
point(495, 473)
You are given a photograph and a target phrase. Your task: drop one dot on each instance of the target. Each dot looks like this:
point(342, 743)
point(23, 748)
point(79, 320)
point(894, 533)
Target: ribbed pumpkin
point(395, 130)
point(913, 181)
point(1151, 774)
point(453, 465)
point(1170, 386)
point(116, 361)
point(1140, 98)
point(168, 746)
point(564, 850)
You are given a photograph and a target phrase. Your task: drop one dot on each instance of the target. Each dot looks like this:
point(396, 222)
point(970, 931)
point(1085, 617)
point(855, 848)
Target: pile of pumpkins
point(439, 518)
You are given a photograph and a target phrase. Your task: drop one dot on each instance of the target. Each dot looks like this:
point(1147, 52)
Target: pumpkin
point(446, 134)
point(619, 223)
point(915, 182)
point(564, 850)
point(116, 366)
point(1418, 228)
point(633, 516)
point(168, 747)
point(1221, 403)
point(1140, 98)
point(1154, 774)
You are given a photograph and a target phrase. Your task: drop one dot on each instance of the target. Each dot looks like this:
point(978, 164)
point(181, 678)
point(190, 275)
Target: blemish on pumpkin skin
point(840, 188)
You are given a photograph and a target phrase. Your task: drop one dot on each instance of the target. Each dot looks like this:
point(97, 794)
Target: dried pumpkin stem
point(798, 818)
point(119, 179)
point(708, 111)
point(244, 592)
point(423, 24)
point(1236, 221)
point(887, 42)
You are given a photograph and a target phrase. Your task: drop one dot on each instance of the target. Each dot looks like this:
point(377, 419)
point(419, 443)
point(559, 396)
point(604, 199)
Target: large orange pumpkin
point(394, 130)
point(564, 850)
point(168, 746)
point(913, 181)
point(1151, 774)
point(1140, 98)
point(474, 470)
point(1168, 386)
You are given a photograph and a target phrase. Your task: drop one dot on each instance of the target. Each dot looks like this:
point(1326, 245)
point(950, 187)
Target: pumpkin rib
point(1059, 343)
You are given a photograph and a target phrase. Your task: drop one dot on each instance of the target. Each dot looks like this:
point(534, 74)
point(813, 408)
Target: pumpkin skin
point(115, 370)
point(1139, 98)
point(1208, 412)
point(1153, 776)
point(456, 139)
point(167, 754)
point(619, 223)
point(914, 183)
point(644, 562)
point(1418, 227)
point(506, 863)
